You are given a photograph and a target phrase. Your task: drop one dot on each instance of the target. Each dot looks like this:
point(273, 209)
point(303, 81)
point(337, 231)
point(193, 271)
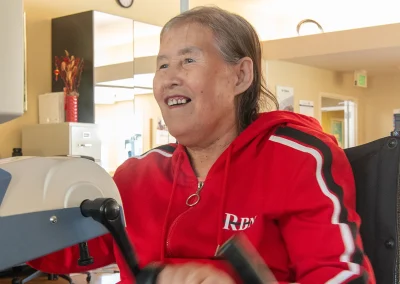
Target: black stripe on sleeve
point(363, 279)
point(166, 148)
point(326, 153)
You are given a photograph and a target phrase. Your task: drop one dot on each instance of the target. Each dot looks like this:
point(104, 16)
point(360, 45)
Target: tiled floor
point(77, 279)
point(104, 276)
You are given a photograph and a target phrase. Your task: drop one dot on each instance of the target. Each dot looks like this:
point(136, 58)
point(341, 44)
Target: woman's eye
point(188, 60)
point(163, 66)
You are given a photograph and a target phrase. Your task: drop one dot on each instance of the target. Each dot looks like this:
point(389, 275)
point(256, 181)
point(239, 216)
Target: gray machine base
point(29, 236)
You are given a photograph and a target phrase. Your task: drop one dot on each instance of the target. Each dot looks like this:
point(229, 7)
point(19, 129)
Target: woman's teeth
point(172, 101)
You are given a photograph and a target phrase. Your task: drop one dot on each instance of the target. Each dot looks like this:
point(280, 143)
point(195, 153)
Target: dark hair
point(235, 38)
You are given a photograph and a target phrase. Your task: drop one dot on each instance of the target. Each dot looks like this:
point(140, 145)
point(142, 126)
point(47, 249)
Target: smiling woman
point(192, 69)
point(209, 56)
point(275, 177)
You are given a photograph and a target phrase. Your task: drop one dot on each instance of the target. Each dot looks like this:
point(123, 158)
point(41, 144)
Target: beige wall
point(375, 103)
point(309, 83)
point(382, 97)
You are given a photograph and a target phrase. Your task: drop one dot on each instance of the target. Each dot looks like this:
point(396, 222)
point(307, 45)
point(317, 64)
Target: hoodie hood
point(267, 122)
point(183, 174)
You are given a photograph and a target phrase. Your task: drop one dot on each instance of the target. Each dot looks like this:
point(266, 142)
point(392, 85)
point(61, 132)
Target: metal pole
point(184, 5)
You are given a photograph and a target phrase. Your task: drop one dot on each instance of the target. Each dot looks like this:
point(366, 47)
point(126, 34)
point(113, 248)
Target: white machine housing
point(41, 184)
point(40, 200)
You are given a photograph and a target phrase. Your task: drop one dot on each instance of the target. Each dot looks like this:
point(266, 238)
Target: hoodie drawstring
point(164, 231)
point(222, 200)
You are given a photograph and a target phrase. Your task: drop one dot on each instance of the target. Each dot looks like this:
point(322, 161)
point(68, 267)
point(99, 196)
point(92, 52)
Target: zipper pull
point(194, 198)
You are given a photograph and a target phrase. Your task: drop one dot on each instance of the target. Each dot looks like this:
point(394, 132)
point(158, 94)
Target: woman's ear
point(244, 73)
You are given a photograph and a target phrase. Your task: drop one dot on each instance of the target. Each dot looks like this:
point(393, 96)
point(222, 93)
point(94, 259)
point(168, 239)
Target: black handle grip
point(85, 258)
point(108, 212)
point(149, 274)
point(238, 251)
point(246, 261)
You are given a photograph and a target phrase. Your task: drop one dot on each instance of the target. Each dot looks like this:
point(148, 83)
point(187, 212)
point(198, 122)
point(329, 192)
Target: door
point(350, 124)
point(339, 118)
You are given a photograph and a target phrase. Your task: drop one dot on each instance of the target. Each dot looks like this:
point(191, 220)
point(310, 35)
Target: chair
point(376, 172)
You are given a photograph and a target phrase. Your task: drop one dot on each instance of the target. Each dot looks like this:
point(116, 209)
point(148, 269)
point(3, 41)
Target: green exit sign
point(360, 79)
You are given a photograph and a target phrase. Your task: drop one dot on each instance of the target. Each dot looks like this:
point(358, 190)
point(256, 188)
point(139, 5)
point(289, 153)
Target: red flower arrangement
point(69, 68)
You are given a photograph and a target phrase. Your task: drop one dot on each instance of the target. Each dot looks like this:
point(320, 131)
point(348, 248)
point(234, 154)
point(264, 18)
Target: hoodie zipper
point(191, 204)
point(172, 228)
point(194, 198)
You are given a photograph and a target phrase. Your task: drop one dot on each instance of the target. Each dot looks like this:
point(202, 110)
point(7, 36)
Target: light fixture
point(125, 3)
point(309, 21)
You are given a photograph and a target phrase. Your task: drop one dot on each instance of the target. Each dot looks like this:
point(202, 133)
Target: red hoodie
point(282, 182)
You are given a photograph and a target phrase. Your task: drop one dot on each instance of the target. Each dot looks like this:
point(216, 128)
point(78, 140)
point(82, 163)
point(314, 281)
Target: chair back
point(376, 172)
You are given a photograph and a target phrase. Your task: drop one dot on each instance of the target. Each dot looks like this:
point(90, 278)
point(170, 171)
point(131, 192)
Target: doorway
point(339, 118)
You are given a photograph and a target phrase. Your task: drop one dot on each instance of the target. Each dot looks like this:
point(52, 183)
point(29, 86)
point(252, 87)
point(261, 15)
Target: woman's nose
point(173, 77)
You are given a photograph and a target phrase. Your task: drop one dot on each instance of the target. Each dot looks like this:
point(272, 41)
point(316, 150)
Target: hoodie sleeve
point(319, 223)
point(66, 260)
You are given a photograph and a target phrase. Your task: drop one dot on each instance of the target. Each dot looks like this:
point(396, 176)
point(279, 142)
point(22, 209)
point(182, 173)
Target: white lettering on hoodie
point(233, 223)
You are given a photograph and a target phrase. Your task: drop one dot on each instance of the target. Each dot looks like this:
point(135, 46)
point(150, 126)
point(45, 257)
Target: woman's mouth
point(177, 101)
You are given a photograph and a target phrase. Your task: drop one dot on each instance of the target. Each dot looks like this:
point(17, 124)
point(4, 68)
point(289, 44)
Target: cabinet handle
point(84, 145)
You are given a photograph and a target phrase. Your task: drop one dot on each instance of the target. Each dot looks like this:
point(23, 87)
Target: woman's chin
point(177, 134)
point(184, 138)
point(178, 130)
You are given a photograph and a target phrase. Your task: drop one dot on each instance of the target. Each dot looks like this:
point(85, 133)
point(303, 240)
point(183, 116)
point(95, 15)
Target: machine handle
point(237, 250)
point(108, 212)
point(149, 274)
point(246, 261)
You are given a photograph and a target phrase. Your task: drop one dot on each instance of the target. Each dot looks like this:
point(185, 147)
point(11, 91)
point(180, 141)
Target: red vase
point(71, 108)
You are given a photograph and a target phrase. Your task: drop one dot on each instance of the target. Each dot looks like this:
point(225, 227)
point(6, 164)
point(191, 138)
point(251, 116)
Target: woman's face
point(194, 86)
